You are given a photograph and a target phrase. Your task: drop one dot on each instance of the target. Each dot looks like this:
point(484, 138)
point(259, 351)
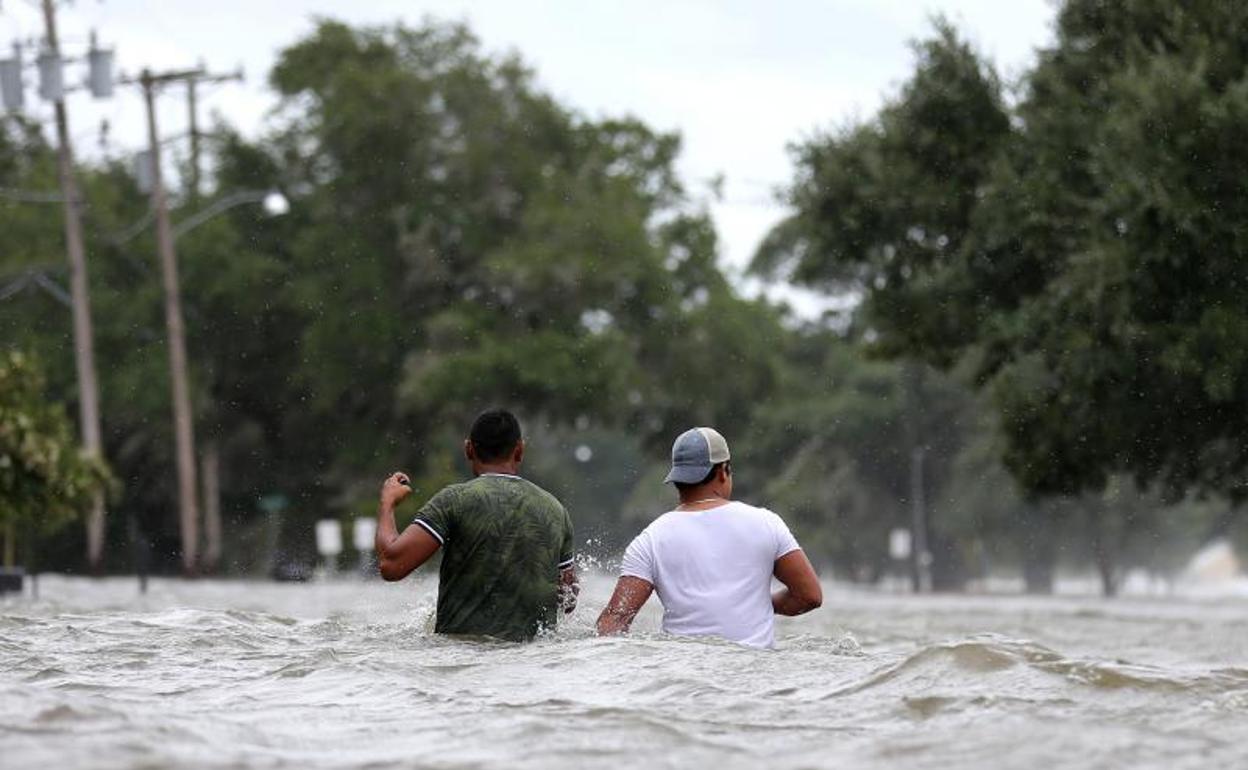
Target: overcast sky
point(739, 80)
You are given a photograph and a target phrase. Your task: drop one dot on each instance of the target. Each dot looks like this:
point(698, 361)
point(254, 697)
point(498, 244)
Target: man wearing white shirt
point(711, 559)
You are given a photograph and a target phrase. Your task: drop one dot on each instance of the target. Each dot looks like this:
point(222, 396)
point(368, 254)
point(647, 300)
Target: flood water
point(347, 674)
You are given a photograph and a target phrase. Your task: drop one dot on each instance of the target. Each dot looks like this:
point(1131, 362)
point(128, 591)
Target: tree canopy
point(1080, 248)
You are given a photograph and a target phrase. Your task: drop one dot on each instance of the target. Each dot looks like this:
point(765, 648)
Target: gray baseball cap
point(695, 452)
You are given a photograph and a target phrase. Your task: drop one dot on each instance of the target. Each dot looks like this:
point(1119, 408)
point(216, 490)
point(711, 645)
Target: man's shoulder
point(487, 485)
point(448, 494)
point(662, 521)
point(540, 493)
point(765, 516)
point(746, 509)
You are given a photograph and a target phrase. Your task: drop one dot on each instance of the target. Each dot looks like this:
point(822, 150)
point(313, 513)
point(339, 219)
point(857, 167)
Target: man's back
point(712, 570)
point(504, 541)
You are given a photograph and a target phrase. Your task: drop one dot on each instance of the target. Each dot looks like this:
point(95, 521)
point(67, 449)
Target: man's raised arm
point(399, 554)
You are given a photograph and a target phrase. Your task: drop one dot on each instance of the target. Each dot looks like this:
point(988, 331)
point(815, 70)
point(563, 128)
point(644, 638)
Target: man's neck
point(500, 469)
point(702, 494)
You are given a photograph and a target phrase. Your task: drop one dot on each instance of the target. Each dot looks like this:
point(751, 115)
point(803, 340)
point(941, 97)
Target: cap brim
point(687, 474)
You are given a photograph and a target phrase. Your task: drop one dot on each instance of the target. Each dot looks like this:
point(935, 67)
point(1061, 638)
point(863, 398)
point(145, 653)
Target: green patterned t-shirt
point(504, 541)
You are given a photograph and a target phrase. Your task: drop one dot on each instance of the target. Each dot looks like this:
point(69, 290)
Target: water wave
point(989, 657)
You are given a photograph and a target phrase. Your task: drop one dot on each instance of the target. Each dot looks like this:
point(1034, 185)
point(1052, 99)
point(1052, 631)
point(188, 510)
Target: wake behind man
point(506, 543)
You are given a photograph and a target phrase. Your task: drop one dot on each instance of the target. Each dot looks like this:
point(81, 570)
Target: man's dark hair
point(494, 435)
point(710, 475)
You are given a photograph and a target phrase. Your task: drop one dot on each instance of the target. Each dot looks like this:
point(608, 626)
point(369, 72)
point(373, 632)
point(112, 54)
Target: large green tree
point(464, 239)
point(1083, 250)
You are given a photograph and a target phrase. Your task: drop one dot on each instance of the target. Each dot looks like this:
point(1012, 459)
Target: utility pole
point(183, 420)
point(84, 344)
point(210, 461)
point(193, 79)
point(918, 515)
point(920, 553)
point(192, 105)
point(179, 374)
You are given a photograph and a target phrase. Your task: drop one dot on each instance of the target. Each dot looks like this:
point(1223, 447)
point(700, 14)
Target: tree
point(1128, 355)
point(1092, 264)
point(883, 208)
point(469, 240)
point(45, 480)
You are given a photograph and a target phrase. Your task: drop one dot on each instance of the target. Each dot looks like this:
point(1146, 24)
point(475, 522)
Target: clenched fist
point(395, 488)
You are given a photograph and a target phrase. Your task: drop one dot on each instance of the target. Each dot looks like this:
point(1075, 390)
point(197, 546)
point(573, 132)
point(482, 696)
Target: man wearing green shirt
point(506, 542)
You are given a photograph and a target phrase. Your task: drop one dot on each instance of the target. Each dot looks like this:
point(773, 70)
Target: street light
point(273, 202)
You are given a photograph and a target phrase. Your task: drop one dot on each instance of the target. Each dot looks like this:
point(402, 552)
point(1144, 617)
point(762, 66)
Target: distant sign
point(328, 537)
point(364, 531)
point(899, 543)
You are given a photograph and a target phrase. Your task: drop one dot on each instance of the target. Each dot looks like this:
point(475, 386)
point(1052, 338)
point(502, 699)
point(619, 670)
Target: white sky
point(739, 79)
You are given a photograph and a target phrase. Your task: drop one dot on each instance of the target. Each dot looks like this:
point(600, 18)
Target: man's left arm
point(634, 587)
point(569, 584)
point(626, 601)
point(802, 592)
point(399, 554)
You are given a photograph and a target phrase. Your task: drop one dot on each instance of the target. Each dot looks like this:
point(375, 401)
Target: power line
point(31, 196)
point(36, 279)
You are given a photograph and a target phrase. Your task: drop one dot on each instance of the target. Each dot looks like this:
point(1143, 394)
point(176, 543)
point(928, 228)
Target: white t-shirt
point(712, 570)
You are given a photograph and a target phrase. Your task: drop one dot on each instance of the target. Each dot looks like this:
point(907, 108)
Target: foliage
point(884, 208)
point(1087, 255)
point(462, 240)
point(44, 477)
point(458, 238)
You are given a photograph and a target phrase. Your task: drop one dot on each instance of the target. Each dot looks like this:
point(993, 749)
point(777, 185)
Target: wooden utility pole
point(210, 459)
point(193, 79)
point(179, 375)
point(84, 341)
point(921, 554)
point(192, 105)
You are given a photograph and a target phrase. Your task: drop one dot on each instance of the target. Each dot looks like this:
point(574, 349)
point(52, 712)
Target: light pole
point(921, 554)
